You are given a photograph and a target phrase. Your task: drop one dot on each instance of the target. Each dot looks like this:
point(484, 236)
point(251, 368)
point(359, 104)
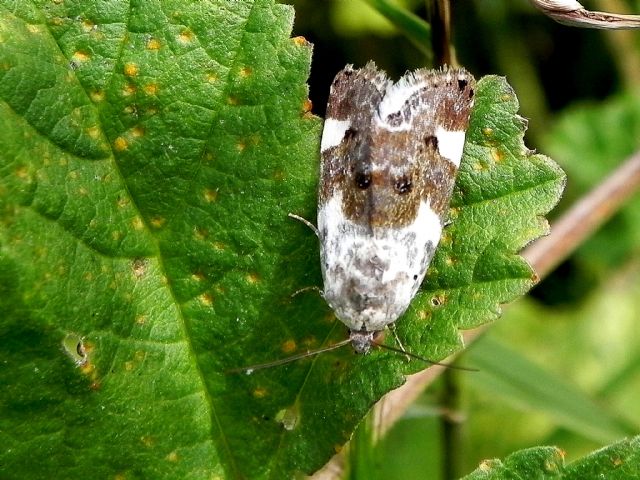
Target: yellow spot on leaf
point(206, 299)
point(128, 90)
point(245, 72)
point(88, 25)
point(289, 346)
point(307, 105)
point(158, 222)
point(487, 131)
point(300, 41)
point(22, 172)
point(186, 36)
point(153, 44)
point(131, 69)
point(151, 89)
point(141, 319)
point(120, 144)
point(198, 276)
point(137, 223)
point(252, 278)
point(260, 392)
point(88, 276)
point(128, 366)
point(80, 56)
point(173, 457)
point(497, 155)
point(93, 132)
point(137, 131)
point(147, 441)
point(240, 146)
point(34, 28)
point(200, 233)
point(211, 77)
point(219, 246)
point(210, 195)
point(232, 101)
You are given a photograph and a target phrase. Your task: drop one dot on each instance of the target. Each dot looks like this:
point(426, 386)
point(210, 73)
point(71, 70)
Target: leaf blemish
point(80, 57)
point(260, 392)
point(252, 278)
point(210, 195)
point(120, 144)
point(74, 347)
point(245, 72)
point(139, 267)
point(206, 299)
point(497, 155)
point(289, 346)
point(151, 89)
point(153, 44)
point(288, 417)
point(131, 69)
point(438, 300)
point(185, 37)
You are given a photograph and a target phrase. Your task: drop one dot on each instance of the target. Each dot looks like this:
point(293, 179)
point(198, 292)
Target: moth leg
point(306, 289)
point(392, 327)
point(306, 222)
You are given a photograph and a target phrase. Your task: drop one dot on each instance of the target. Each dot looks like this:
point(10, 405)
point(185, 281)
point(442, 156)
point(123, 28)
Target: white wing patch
point(363, 271)
point(450, 144)
point(333, 133)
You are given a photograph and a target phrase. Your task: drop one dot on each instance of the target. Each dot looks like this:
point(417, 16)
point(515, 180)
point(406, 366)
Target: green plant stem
point(440, 20)
point(451, 431)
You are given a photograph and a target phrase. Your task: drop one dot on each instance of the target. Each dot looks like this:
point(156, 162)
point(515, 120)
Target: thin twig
point(573, 228)
point(571, 12)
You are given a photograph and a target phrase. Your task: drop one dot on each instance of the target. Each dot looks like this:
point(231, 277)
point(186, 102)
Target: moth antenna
point(422, 359)
point(252, 368)
point(306, 222)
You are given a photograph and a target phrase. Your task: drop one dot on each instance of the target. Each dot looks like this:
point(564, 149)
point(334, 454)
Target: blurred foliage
point(580, 91)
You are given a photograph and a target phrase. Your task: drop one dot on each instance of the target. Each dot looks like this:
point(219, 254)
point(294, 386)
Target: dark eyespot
point(415, 277)
point(471, 93)
point(403, 185)
point(350, 133)
point(363, 180)
point(462, 83)
point(431, 141)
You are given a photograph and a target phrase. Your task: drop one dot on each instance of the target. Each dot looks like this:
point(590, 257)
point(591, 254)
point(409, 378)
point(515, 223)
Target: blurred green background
point(561, 367)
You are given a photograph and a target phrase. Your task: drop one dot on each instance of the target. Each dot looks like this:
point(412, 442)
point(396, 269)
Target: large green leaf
point(150, 154)
point(618, 461)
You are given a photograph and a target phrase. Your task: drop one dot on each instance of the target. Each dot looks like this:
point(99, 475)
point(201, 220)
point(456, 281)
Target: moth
point(389, 157)
point(390, 153)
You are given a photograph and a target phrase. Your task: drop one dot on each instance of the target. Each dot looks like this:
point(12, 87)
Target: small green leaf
point(150, 153)
point(618, 461)
point(536, 462)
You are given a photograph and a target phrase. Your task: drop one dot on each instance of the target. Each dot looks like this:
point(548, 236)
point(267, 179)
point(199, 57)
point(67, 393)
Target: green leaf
point(618, 461)
point(150, 154)
point(592, 140)
point(413, 27)
point(513, 377)
point(536, 462)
